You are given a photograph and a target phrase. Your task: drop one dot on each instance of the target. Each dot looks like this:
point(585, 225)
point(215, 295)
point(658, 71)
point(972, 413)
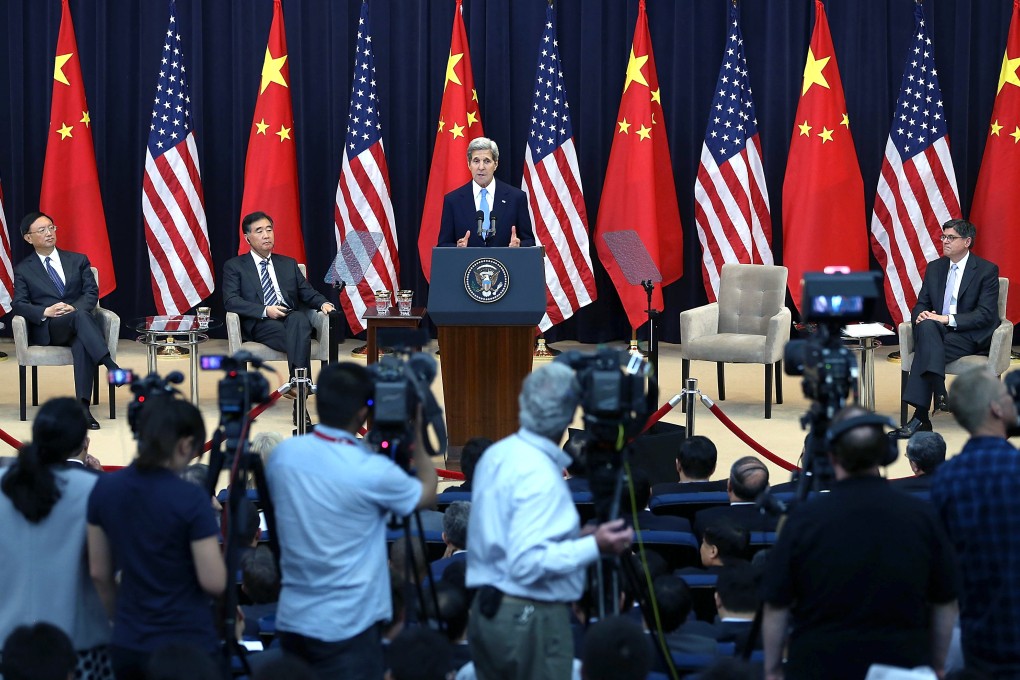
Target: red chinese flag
point(270, 168)
point(639, 195)
point(823, 193)
point(70, 184)
point(460, 121)
point(996, 199)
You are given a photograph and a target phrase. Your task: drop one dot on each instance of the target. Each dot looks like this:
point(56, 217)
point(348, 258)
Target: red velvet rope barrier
point(744, 437)
point(8, 439)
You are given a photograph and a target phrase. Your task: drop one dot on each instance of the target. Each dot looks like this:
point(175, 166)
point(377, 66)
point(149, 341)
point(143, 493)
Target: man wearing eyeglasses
point(956, 312)
point(56, 293)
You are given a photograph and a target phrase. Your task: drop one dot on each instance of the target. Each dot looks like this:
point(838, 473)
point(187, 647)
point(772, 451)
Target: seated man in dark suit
point(926, 451)
point(469, 457)
point(485, 212)
point(646, 520)
point(695, 463)
point(455, 526)
point(276, 303)
point(57, 294)
point(956, 313)
point(675, 603)
point(748, 479)
point(723, 544)
point(737, 600)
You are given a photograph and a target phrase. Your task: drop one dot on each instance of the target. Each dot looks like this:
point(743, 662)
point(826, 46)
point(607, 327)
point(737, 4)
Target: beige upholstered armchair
point(997, 360)
point(49, 355)
point(750, 324)
point(320, 344)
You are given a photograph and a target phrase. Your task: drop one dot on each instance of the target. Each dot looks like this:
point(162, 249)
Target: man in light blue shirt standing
point(528, 554)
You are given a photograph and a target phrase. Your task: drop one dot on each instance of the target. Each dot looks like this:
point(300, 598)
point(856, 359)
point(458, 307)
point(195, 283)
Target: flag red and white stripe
point(363, 192)
point(731, 201)
point(552, 181)
point(917, 187)
point(6, 267)
point(173, 209)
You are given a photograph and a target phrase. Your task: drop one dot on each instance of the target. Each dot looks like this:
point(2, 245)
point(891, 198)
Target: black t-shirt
point(858, 568)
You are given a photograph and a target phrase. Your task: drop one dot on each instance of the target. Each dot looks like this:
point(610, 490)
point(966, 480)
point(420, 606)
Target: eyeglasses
point(52, 229)
point(949, 238)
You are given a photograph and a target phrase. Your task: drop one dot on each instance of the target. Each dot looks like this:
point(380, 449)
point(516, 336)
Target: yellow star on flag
point(58, 73)
point(65, 131)
point(813, 72)
point(634, 67)
point(1015, 134)
point(825, 134)
point(624, 126)
point(284, 133)
point(472, 118)
point(451, 73)
point(805, 129)
point(1006, 75)
point(644, 132)
point(85, 118)
point(845, 121)
point(272, 71)
point(457, 131)
point(262, 126)
point(474, 95)
point(657, 95)
point(996, 127)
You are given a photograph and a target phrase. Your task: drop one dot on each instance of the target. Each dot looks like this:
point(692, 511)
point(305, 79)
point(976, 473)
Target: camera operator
point(866, 572)
point(977, 494)
point(528, 553)
point(331, 495)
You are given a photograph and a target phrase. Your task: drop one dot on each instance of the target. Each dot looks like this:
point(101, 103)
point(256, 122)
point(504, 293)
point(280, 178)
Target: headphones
point(836, 431)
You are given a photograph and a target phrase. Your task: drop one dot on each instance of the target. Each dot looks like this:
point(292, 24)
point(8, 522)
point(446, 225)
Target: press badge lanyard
point(345, 439)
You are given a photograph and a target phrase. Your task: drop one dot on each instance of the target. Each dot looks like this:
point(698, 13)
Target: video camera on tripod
point(144, 389)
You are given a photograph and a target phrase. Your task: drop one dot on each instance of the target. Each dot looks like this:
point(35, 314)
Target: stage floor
point(782, 434)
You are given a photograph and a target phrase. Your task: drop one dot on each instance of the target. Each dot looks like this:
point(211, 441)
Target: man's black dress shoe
point(93, 424)
point(915, 424)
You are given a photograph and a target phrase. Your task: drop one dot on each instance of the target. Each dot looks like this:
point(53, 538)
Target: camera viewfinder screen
point(836, 305)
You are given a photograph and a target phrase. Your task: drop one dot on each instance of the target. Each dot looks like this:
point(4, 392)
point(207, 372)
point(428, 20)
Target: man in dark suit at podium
point(956, 313)
point(485, 212)
point(274, 300)
point(57, 294)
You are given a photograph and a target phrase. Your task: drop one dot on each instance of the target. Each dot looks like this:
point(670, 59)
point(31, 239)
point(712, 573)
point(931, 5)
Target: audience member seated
point(737, 600)
point(455, 525)
point(615, 649)
point(453, 612)
point(469, 457)
point(675, 603)
point(722, 544)
point(926, 451)
point(646, 520)
point(183, 662)
point(695, 463)
point(42, 541)
point(260, 581)
point(263, 444)
point(38, 652)
point(748, 479)
point(419, 654)
point(198, 474)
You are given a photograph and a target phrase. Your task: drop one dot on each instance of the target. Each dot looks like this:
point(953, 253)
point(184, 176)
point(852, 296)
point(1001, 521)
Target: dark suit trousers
point(935, 345)
point(80, 332)
point(292, 335)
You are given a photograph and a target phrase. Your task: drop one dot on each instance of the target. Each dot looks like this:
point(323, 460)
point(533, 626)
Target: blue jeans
point(357, 658)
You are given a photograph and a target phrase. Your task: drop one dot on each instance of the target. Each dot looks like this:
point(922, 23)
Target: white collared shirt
point(489, 195)
point(55, 261)
point(272, 276)
point(524, 532)
point(960, 266)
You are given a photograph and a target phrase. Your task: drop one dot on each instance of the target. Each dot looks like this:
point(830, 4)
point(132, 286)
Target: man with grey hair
point(977, 495)
point(528, 554)
point(926, 451)
point(455, 527)
point(489, 213)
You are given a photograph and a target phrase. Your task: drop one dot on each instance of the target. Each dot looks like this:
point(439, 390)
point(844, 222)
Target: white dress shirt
point(272, 277)
point(960, 266)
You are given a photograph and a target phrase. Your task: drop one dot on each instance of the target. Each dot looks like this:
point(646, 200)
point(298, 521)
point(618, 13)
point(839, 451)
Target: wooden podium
point(485, 347)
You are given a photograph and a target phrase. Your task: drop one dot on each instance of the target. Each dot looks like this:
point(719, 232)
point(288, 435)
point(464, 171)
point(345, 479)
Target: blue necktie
point(56, 277)
point(950, 285)
point(268, 292)
point(483, 205)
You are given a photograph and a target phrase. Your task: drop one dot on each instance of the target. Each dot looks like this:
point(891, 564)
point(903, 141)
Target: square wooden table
point(375, 320)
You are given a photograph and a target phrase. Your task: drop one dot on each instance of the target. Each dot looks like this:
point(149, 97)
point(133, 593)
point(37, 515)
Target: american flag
point(363, 192)
point(731, 201)
point(552, 181)
point(917, 187)
point(6, 268)
point(172, 202)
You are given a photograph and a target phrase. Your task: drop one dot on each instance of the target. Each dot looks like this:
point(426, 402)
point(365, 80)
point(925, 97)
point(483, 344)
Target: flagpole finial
point(550, 3)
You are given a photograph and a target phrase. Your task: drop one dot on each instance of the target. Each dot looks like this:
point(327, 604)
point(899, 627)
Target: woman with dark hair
point(42, 545)
point(160, 532)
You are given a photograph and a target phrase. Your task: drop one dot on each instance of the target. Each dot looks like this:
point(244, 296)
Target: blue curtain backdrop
point(225, 41)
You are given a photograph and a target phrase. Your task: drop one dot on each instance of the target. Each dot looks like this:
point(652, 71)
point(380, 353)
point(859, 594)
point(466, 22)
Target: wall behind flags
point(225, 40)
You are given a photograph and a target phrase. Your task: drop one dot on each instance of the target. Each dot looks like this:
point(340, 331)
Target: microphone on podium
point(480, 217)
point(492, 227)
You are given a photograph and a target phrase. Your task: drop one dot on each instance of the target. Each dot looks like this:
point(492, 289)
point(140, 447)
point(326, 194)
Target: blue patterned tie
point(56, 277)
point(950, 285)
point(483, 205)
point(268, 292)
